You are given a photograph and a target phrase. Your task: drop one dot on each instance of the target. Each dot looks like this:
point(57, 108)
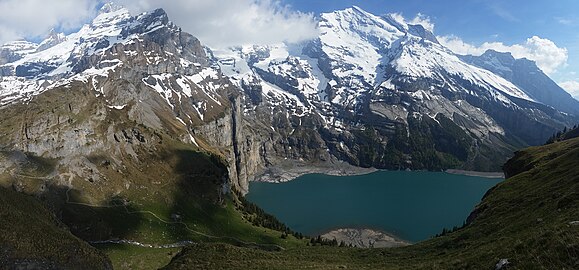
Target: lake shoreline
point(365, 238)
point(290, 170)
point(413, 205)
point(492, 175)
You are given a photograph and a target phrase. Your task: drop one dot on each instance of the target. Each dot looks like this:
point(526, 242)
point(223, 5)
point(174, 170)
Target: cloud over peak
point(548, 56)
point(34, 18)
point(227, 23)
point(218, 24)
point(420, 19)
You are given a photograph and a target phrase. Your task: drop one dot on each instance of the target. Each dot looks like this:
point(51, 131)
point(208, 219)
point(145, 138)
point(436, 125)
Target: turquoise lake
point(413, 206)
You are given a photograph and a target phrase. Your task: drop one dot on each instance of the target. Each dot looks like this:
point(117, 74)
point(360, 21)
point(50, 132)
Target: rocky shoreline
point(290, 170)
point(365, 238)
point(478, 174)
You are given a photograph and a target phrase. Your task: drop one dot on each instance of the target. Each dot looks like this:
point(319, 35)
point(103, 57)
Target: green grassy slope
point(155, 190)
point(176, 197)
point(31, 236)
point(529, 219)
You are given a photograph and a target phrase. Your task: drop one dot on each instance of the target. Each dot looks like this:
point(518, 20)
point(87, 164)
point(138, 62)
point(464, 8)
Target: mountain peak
point(494, 53)
point(110, 14)
point(506, 58)
point(110, 7)
point(53, 38)
point(356, 12)
point(420, 31)
point(159, 15)
point(358, 9)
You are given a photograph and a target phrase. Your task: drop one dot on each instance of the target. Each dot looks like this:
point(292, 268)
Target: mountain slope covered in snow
point(372, 82)
point(132, 119)
point(525, 74)
point(371, 91)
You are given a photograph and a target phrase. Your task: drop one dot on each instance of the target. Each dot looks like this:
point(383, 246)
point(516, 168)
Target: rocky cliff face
point(377, 92)
point(244, 151)
point(108, 100)
point(371, 91)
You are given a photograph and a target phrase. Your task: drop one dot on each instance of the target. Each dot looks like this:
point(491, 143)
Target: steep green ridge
point(188, 205)
point(530, 219)
point(32, 238)
point(110, 179)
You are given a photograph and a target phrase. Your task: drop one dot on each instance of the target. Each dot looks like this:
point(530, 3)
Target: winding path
point(135, 243)
point(172, 245)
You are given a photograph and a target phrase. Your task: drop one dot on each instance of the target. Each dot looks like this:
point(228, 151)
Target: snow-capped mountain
point(370, 90)
point(117, 86)
point(375, 72)
point(112, 42)
point(525, 74)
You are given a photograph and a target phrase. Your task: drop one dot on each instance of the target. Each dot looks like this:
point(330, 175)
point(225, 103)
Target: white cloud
point(424, 21)
point(34, 18)
point(548, 56)
point(418, 19)
point(572, 87)
point(234, 22)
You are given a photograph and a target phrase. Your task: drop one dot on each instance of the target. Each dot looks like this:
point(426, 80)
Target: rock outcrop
point(386, 95)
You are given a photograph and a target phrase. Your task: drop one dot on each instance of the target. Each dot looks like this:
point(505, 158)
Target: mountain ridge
point(528, 76)
point(371, 91)
point(132, 129)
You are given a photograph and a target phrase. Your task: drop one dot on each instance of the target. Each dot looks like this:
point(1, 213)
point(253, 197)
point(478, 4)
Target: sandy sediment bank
point(365, 238)
point(290, 170)
point(478, 174)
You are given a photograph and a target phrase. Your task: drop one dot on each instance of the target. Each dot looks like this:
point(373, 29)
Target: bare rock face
point(110, 96)
point(115, 102)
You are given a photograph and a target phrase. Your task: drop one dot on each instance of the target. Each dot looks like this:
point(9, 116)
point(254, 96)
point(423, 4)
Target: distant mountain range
point(526, 75)
point(371, 91)
point(130, 131)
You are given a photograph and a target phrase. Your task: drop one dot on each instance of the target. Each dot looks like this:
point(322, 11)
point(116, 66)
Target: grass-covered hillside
point(531, 220)
point(32, 238)
point(135, 192)
point(140, 228)
point(163, 195)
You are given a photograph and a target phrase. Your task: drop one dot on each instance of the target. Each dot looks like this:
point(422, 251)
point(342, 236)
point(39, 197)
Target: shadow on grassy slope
point(203, 202)
point(31, 237)
point(529, 219)
point(116, 220)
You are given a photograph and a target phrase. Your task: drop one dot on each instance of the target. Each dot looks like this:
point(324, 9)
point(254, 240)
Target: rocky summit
point(137, 143)
point(370, 91)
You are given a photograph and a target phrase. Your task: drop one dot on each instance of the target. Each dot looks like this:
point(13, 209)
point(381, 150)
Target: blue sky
point(478, 21)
